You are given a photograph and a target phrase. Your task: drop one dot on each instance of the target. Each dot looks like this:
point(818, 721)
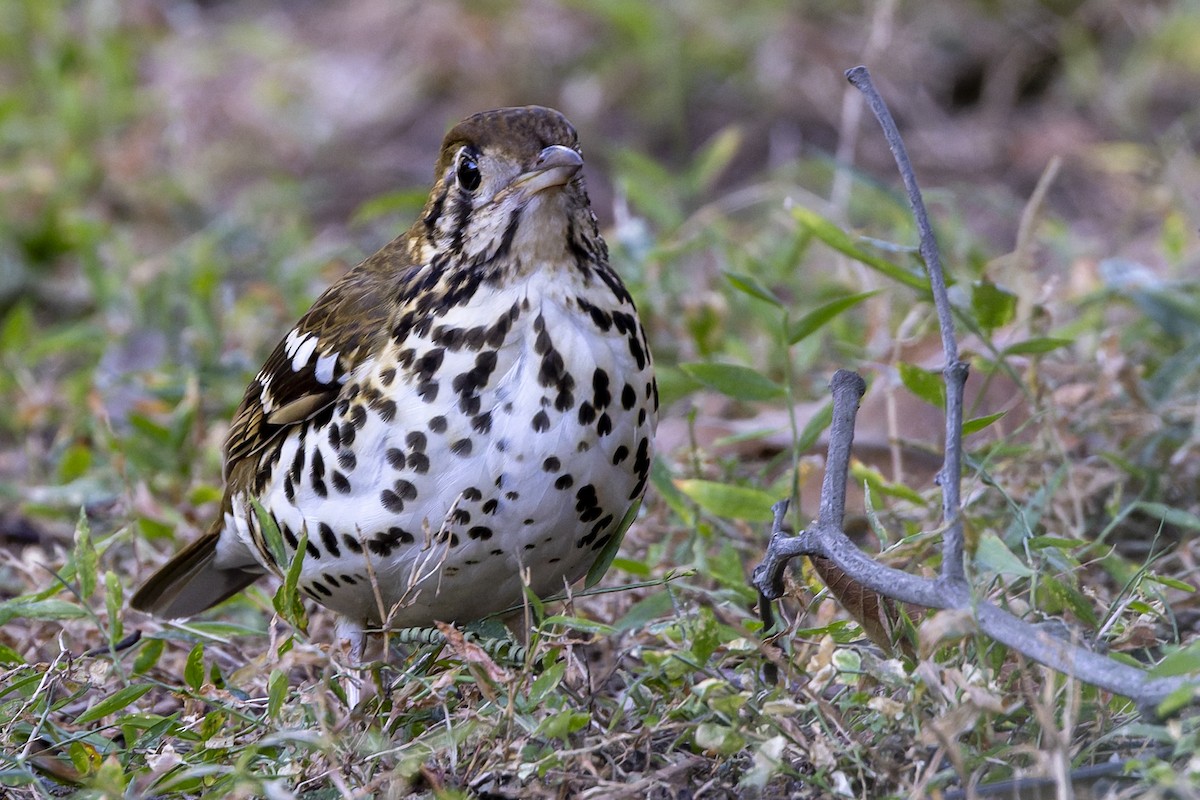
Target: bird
point(467, 413)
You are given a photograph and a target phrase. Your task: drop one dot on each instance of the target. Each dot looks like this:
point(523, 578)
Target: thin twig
point(954, 371)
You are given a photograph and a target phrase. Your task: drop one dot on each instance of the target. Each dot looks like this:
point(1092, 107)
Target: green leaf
point(113, 602)
point(992, 554)
point(738, 382)
point(580, 624)
point(839, 240)
point(85, 557)
point(874, 479)
point(563, 724)
point(815, 427)
point(1172, 582)
point(24, 608)
point(724, 500)
point(993, 307)
point(148, 655)
point(979, 423)
point(750, 285)
point(716, 738)
point(645, 611)
point(814, 320)
point(1044, 344)
point(277, 690)
point(287, 601)
point(193, 669)
point(1181, 662)
point(605, 559)
point(1043, 542)
point(1177, 700)
point(925, 384)
point(75, 463)
point(547, 681)
point(113, 703)
point(1172, 516)
point(271, 534)
point(715, 157)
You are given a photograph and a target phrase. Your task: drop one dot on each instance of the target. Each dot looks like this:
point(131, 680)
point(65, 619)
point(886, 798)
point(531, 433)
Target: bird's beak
point(555, 166)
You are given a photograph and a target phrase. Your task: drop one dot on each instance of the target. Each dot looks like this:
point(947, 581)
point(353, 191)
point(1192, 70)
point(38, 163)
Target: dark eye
point(468, 171)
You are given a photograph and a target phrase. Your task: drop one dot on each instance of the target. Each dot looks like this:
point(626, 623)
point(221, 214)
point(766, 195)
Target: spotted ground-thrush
point(471, 408)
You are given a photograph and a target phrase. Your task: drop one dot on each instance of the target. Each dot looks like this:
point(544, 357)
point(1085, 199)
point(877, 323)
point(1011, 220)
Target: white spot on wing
point(304, 351)
point(325, 365)
point(292, 342)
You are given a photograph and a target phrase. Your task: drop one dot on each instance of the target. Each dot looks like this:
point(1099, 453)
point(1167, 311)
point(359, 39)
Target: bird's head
point(508, 187)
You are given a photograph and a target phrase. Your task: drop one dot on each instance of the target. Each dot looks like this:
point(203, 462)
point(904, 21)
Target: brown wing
point(306, 371)
point(303, 375)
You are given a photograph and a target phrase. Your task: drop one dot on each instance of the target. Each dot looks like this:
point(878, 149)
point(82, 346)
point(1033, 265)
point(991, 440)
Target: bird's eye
point(468, 170)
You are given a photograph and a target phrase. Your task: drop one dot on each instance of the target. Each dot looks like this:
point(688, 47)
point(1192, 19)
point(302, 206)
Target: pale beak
point(555, 166)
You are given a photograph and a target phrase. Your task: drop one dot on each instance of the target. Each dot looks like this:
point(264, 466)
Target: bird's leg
point(351, 638)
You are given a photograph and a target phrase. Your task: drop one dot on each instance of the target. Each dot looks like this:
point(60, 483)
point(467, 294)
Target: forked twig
point(950, 589)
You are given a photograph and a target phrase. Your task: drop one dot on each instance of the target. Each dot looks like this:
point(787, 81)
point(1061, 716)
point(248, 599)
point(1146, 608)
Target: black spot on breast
point(462, 447)
point(620, 454)
point(329, 540)
point(312, 550)
point(428, 391)
point(628, 397)
point(322, 588)
point(602, 541)
point(437, 424)
point(405, 489)
point(335, 437)
point(551, 464)
point(482, 423)
point(635, 350)
point(641, 417)
point(318, 465)
point(641, 466)
point(416, 441)
point(601, 392)
point(340, 483)
point(600, 318)
point(358, 416)
point(353, 546)
point(564, 481)
point(289, 536)
point(604, 424)
point(475, 337)
point(331, 580)
point(386, 409)
point(348, 434)
point(480, 532)
point(318, 487)
point(512, 495)
point(460, 516)
point(289, 489)
point(386, 377)
point(428, 364)
point(395, 458)
point(540, 422)
point(347, 460)
point(418, 463)
point(471, 494)
point(391, 501)
point(469, 404)
point(490, 506)
point(587, 413)
point(297, 464)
